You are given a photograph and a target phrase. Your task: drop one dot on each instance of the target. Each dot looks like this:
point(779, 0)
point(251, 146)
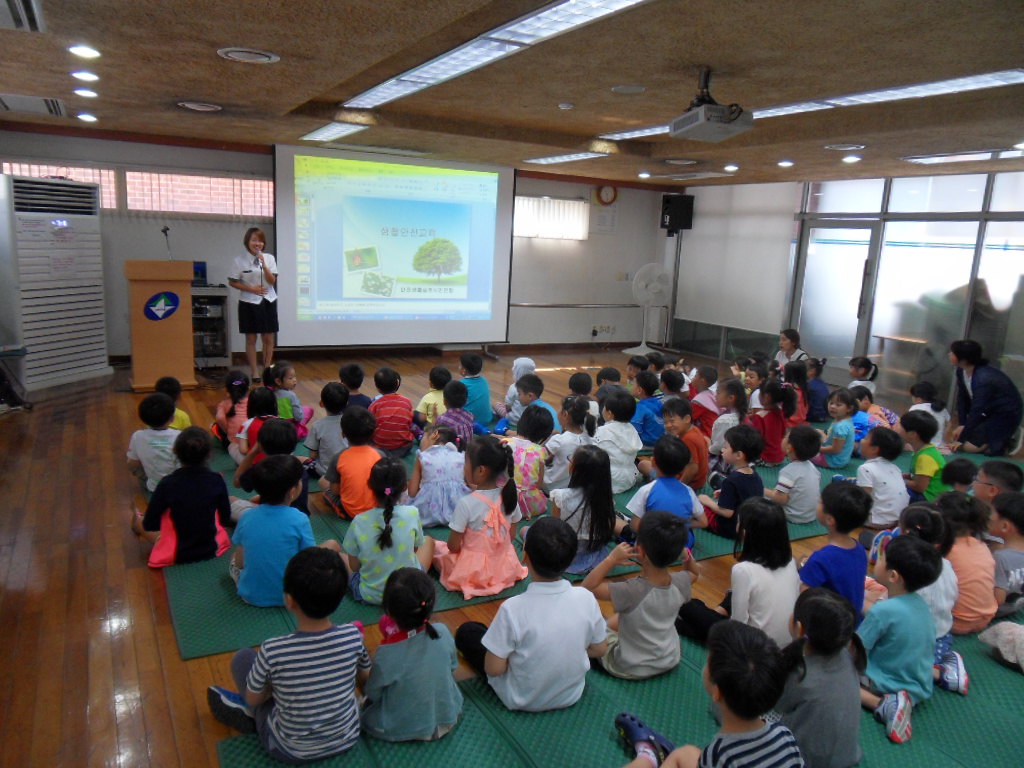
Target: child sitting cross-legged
point(271, 533)
point(703, 400)
point(411, 694)
point(837, 444)
point(881, 478)
point(352, 375)
point(899, 636)
point(528, 456)
point(277, 438)
point(647, 417)
point(821, 701)
point(842, 563)
point(743, 446)
point(455, 414)
point(530, 389)
point(171, 387)
point(511, 408)
point(587, 506)
point(778, 403)
point(536, 651)
point(678, 418)
point(438, 476)
point(261, 407)
point(924, 482)
point(385, 538)
point(298, 692)
point(744, 677)
point(393, 413)
point(479, 558)
point(325, 440)
point(1007, 523)
point(151, 450)
point(959, 474)
point(619, 439)
point(967, 518)
point(431, 405)
point(798, 489)
point(187, 513)
point(643, 640)
point(731, 398)
point(666, 492)
point(345, 481)
point(578, 426)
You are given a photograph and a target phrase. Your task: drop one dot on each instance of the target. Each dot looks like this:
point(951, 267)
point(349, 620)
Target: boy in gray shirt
point(325, 440)
point(643, 641)
point(799, 486)
point(1007, 522)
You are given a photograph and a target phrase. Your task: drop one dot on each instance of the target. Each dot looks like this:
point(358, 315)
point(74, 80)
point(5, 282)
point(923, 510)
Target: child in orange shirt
point(973, 564)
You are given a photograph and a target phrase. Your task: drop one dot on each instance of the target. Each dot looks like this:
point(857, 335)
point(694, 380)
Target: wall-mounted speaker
point(677, 212)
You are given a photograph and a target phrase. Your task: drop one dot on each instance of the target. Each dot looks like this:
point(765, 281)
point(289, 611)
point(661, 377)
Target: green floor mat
point(208, 615)
point(245, 752)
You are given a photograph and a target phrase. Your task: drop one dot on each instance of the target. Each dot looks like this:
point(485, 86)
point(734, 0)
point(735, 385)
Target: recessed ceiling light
point(731, 168)
point(84, 76)
point(679, 161)
point(84, 52)
point(248, 55)
point(564, 158)
point(566, 105)
point(85, 93)
point(636, 133)
point(845, 147)
point(628, 90)
point(644, 175)
point(200, 106)
point(87, 117)
point(332, 131)
point(785, 163)
point(852, 159)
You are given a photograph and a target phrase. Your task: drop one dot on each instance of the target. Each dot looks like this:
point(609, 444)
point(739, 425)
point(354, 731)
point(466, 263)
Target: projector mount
point(704, 94)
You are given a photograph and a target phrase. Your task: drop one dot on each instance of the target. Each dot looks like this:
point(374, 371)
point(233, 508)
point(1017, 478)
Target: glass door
point(835, 281)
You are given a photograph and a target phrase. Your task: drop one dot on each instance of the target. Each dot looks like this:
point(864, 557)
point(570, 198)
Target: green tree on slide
point(439, 256)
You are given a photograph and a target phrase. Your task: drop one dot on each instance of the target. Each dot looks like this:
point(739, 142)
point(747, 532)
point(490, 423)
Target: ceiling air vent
point(23, 15)
point(35, 105)
point(42, 196)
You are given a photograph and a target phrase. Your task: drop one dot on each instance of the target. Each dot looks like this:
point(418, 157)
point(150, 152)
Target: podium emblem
point(162, 305)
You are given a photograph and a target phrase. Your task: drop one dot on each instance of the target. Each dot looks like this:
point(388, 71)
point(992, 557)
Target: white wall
point(595, 271)
point(598, 270)
point(735, 263)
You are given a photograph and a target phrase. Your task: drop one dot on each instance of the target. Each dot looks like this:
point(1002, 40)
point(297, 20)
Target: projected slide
point(387, 241)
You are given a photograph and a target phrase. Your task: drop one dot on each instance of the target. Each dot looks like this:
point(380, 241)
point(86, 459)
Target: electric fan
point(650, 289)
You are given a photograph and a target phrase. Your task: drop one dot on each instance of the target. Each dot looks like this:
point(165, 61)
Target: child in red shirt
point(393, 413)
point(778, 403)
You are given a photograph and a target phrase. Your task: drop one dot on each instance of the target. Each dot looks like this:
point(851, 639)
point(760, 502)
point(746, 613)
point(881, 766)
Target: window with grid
point(187, 193)
point(105, 177)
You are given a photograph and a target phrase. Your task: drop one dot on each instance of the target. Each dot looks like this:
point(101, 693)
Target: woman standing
point(789, 347)
point(988, 404)
point(255, 277)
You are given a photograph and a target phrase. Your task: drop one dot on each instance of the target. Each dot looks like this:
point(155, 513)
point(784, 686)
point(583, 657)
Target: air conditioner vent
point(23, 15)
point(33, 105)
point(42, 196)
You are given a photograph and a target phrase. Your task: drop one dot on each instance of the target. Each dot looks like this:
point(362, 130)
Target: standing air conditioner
point(51, 280)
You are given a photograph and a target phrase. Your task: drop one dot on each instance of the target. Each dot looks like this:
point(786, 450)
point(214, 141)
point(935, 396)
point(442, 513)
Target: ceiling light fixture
point(636, 133)
point(969, 156)
point(628, 90)
point(731, 168)
point(845, 147)
point(86, 117)
point(84, 52)
point(850, 159)
point(644, 175)
point(489, 47)
point(785, 163)
point(1019, 146)
point(790, 109)
point(566, 105)
point(248, 55)
point(200, 106)
point(679, 161)
point(85, 77)
point(85, 93)
point(564, 158)
point(332, 131)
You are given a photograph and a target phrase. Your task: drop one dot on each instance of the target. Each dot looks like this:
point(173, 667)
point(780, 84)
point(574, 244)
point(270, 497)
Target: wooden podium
point(160, 309)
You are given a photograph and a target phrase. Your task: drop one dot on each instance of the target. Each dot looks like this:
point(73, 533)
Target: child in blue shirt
point(667, 493)
point(478, 402)
point(270, 534)
point(647, 419)
point(529, 388)
point(842, 563)
point(899, 635)
point(838, 443)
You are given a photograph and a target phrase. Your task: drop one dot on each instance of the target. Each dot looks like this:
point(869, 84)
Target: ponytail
point(781, 395)
point(578, 408)
point(864, 363)
point(509, 492)
point(387, 481)
point(408, 598)
point(929, 393)
point(237, 386)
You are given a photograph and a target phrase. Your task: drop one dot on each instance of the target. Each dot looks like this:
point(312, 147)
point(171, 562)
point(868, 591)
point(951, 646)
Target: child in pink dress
point(233, 410)
point(479, 558)
point(534, 428)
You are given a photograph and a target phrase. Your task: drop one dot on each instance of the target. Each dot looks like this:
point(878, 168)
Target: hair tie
point(237, 382)
point(387, 491)
point(423, 603)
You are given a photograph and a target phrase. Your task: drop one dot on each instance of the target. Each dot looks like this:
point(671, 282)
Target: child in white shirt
point(881, 478)
point(151, 450)
point(620, 440)
point(798, 489)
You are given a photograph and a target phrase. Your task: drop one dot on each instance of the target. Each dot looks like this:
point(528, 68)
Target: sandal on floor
point(632, 729)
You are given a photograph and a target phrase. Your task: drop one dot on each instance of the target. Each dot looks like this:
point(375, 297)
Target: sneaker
point(229, 708)
point(894, 711)
point(953, 674)
point(633, 731)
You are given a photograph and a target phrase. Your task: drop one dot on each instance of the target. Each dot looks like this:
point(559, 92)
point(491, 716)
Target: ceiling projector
point(707, 120)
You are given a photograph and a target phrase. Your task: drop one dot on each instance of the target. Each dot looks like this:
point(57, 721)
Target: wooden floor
point(89, 668)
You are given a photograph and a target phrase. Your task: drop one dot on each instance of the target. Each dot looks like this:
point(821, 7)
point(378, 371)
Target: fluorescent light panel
point(332, 131)
point(490, 47)
point(564, 158)
point(636, 133)
point(965, 157)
